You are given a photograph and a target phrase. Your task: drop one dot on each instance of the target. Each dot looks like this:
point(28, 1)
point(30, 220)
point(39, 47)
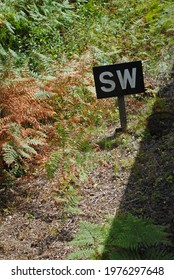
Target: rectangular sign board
point(118, 79)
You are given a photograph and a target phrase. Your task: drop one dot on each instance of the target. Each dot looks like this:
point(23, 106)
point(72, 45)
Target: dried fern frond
point(24, 112)
point(19, 103)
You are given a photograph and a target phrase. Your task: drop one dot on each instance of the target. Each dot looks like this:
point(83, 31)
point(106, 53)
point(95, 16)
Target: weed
point(126, 163)
point(116, 168)
point(67, 196)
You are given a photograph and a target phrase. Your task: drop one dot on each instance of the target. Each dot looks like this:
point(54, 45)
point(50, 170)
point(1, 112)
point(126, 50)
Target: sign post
point(117, 80)
point(122, 113)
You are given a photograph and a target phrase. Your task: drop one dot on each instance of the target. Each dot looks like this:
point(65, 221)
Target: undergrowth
point(40, 33)
point(47, 51)
point(125, 237)
point(48, 103)
point(24, 122)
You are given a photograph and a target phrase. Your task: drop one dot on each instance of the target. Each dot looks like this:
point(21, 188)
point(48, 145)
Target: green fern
point(158, 254)
point(90, 239)
point(9, 154)
point(53, 164)
point(84, 254)
point(67, 196)
point(17, 148)
point(124, 237)
point(131, 237)
point(131, 232)
point(88, 234)
point(41, 94)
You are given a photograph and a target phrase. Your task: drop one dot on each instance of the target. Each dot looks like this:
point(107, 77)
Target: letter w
point(127, 77)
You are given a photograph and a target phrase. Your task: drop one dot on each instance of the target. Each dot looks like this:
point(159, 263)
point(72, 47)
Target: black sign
point(118, 79)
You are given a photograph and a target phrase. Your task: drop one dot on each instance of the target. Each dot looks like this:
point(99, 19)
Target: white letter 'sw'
point(127, 78)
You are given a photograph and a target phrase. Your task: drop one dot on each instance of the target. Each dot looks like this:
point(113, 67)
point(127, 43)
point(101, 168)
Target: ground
point(135, 175)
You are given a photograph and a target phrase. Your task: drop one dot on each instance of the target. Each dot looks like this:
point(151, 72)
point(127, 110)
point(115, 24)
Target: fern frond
point(9, 26)
point(158, 254)
point(41, 94)
point(25, 146)
point(131, 232)
point(3, 53)
point(124, 237)
point(53, 163)
point(23, 154)
point(73, 209)
point(14, 54)
point(35, 142)
point(9, 154)
point(89, 234)
point(17, 147)
point(84, 254)
point(123, 254)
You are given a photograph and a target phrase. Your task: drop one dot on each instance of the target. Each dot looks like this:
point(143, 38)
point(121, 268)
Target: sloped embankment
point(134, 172)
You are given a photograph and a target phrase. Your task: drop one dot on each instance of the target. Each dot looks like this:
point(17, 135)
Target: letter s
point(13, 272)
point(106, 81)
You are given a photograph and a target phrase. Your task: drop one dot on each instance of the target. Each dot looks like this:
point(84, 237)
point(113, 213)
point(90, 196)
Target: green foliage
point(67, 196)
point(42, 36)
point(34, 27)
point(85, 146)
point(123, 237)
point(130, 232)
point(53, 164)
point(42, 32)
point(109, 144)
point(18, 149)
point(90, 239)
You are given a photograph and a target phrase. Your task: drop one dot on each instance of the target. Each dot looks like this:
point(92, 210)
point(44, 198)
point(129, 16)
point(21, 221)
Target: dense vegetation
point(47, 98)
point(39, 38)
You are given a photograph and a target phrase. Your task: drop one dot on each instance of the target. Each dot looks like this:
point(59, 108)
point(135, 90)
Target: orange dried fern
point(19, 104)
point(22, 122)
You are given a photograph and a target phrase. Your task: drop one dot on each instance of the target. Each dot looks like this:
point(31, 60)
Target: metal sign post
point(119, 80)
point(122, 113)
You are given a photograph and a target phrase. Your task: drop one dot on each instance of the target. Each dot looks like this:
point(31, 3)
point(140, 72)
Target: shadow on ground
point(150, 188)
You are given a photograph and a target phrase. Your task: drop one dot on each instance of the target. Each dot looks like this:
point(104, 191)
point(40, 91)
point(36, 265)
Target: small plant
point(116, 168)
point(109, 143)
point(90, 240)
point(16, 150)
point(67, 196)
point(126, 163)
point(123, 237)
point(85, 146)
